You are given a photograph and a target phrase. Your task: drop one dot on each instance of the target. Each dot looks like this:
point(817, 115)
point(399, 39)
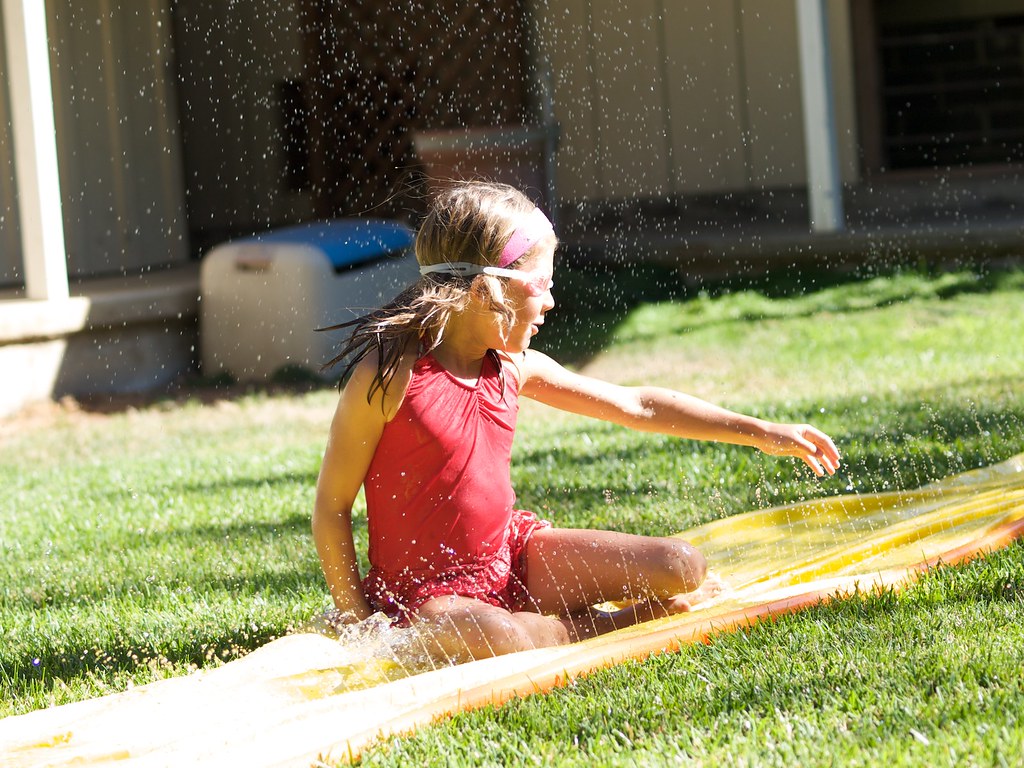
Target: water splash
point(375, 651)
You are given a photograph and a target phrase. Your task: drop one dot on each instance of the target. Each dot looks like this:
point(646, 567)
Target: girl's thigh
point(569, 569)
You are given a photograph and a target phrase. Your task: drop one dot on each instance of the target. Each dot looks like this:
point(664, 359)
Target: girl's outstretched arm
point(354, 435)
point(657, 409)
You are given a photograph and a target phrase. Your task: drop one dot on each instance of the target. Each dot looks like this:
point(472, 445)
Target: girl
point(425, 424)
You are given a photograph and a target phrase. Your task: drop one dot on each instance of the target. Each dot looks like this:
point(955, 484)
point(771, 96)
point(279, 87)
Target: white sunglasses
point(537, 282)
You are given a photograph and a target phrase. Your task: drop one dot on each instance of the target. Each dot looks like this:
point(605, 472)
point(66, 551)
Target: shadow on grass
point(297, 479)
point(593, 300)
point(243, 483)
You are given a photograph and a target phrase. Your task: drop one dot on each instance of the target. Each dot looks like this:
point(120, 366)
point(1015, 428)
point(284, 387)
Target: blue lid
point(345, 242)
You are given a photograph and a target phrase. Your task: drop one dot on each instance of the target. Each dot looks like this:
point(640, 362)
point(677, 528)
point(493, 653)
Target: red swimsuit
point(439, 496)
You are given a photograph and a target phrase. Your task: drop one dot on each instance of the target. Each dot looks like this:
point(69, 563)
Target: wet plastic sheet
point(306, 698)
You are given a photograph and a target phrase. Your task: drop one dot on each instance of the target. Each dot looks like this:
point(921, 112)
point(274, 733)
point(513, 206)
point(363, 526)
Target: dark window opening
point(952, 90)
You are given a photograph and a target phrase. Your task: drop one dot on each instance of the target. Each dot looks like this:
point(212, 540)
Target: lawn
point(152, 540)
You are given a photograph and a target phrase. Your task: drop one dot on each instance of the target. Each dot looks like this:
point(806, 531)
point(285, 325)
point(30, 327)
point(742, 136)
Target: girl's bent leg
point(568, 570)
point(458, 628)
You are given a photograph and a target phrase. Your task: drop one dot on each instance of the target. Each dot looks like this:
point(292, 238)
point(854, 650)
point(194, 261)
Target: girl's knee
point(503, 634)
point(684, 567)
point(523, 632)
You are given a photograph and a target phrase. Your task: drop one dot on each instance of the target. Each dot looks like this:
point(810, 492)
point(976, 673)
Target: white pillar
point(823, 184)
point(35, 149)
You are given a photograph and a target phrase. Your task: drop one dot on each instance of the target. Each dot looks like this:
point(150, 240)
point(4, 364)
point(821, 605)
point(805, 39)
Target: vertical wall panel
point(704, 96)
point(656, 97)
point(563, 27)
point(629, 99)
point(772, 92)
point(119, 153)
point(11, 272)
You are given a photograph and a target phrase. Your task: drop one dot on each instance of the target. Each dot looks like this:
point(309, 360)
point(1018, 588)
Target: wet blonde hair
point(467, 221)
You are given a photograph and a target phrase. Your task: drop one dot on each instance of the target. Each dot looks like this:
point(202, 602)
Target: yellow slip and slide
point(307, 698)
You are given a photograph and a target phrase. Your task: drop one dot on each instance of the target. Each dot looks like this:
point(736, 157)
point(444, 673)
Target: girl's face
point(530, 300)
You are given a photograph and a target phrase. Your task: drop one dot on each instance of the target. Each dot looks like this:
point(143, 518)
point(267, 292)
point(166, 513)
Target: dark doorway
point(940, 84)
point(376, 72)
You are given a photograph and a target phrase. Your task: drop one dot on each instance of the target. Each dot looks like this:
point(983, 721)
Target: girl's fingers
point(829, 451)
point(826, 444)
point(822, 454)
point(811, 445)
point(814, 465)
point(822, 447)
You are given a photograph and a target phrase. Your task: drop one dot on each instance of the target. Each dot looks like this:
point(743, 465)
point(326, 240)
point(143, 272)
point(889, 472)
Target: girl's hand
point(804, 442)
point(335, 619)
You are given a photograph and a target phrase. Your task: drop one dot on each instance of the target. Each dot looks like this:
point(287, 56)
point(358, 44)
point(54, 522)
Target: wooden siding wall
point(667, 97)
point(119, 155)
point(117, 134)
point(654, 98)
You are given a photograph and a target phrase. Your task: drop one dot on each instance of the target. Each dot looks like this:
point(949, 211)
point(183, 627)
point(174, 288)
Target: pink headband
point(532, 229)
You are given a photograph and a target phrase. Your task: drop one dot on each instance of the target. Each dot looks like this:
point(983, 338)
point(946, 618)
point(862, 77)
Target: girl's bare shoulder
point(379, 387)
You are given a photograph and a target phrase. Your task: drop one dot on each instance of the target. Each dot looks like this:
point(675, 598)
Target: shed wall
point(659, 98)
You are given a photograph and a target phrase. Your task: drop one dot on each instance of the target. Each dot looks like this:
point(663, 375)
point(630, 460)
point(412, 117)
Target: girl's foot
point(711, 588)
point(593, 622)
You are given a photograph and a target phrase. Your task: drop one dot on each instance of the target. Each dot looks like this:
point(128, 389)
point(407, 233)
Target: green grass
point(146, 543)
